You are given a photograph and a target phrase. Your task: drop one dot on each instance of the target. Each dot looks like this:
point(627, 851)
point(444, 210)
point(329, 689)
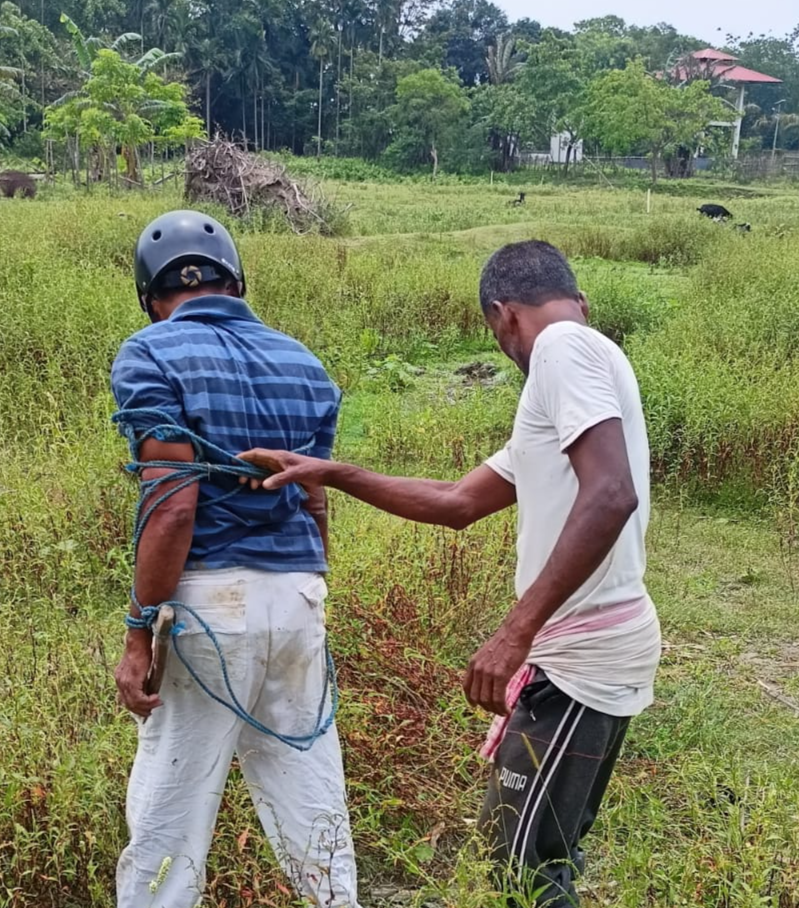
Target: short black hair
point(532, 272)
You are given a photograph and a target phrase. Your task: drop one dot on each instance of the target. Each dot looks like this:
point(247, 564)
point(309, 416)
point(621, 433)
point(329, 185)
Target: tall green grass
point(701, 811)
point(720, 376)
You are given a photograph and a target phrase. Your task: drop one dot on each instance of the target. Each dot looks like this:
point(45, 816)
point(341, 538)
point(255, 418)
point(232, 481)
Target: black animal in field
point(715, 212)
point(720, 214)
point(14, 181)
point(519, 201)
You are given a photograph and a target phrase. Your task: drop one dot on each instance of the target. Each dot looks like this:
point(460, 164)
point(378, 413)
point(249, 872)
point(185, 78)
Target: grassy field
point(703, 810)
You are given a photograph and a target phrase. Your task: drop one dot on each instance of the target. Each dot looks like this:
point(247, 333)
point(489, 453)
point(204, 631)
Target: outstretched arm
point(452, 504)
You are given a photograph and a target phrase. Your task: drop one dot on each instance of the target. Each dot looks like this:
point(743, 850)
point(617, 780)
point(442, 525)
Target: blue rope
point(209, 460)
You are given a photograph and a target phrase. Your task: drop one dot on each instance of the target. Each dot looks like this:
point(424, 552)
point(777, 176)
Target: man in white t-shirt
point(576, 656)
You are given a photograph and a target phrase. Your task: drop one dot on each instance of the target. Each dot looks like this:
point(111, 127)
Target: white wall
point(558, 146)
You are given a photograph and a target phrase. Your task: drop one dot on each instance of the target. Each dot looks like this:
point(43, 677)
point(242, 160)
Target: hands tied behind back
point(286, 468)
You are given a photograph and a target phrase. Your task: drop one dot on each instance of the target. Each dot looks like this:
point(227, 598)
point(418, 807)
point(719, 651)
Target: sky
point(710, 20)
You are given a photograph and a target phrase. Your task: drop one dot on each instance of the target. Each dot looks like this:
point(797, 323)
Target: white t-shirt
point(578, 379)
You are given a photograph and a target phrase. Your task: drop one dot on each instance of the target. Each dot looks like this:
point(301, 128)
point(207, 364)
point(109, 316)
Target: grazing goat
point(14, 181)
point(520, 200)
point(715, 212)
point(744, 228)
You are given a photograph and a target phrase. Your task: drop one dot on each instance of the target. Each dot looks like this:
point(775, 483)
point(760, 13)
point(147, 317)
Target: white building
point(559, 146)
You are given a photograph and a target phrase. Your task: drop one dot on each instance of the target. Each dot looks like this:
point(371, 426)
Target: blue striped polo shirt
point(217, 370)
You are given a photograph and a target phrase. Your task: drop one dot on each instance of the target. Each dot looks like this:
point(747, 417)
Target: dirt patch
point(479, 373)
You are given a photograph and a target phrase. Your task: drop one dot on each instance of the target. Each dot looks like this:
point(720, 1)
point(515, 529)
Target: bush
point(353, 170)
point(625, 300)
point(720, 378)
point(30, 146)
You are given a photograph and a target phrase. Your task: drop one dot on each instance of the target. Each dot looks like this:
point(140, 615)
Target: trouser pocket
point(212, 627)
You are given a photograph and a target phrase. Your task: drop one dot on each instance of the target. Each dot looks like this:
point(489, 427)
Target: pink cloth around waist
point(586, 623)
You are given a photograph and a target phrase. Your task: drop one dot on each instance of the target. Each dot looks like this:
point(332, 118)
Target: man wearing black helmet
point(254, 578)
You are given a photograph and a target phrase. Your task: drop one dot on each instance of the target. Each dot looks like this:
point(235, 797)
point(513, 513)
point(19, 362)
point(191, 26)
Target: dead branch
point(780, 697)
point(223, 172)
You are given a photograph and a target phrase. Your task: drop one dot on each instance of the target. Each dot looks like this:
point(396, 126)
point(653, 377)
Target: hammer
point(162, 631)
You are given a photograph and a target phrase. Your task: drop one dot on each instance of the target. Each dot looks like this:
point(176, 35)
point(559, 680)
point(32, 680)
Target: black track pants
point(549, 776)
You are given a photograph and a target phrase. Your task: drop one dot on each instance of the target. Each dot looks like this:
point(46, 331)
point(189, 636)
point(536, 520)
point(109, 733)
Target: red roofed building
point(716, 66)
point(710, 53)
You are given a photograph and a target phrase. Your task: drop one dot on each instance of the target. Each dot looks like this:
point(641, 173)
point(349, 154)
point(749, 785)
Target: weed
point(702, 809)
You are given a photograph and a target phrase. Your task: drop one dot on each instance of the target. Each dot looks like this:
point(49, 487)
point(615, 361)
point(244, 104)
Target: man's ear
point(154, 310)
point(500, 312)
point(147, 305)
point(507, 314)
point(582, 299)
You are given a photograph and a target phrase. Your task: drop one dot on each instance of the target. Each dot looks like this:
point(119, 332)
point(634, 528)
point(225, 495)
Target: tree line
point(408, 82)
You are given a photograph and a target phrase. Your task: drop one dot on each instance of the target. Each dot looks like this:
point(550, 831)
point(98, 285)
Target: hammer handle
point(162, 631)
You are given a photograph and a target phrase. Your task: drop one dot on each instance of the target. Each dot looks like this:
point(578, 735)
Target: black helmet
point(184, 248)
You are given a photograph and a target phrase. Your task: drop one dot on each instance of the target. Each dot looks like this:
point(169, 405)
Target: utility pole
point(777, 109)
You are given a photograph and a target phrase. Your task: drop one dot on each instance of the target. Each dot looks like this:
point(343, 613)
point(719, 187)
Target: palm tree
point(157, 13)
point(8, 92)
point(501, 65)
point(208, 58)
point(237, 71)
point(320, 49)
point(259, 66)
point(354, 17)
point(387, 14)
point(246, 60)
point(182, 29)
point(340, 24)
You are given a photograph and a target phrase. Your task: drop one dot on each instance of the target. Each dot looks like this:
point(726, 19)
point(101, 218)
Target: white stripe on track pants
point(271, 629)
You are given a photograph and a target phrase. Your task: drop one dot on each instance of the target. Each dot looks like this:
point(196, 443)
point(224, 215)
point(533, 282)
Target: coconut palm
point(502, 66)
point(321, 45)
point(387, 14)
point(159, 13)
point(208, 57)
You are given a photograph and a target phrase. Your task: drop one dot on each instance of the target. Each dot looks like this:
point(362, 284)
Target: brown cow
point(15, 181)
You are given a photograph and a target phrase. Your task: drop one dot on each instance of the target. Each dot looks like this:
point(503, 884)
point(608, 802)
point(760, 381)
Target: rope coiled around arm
point(137, 425)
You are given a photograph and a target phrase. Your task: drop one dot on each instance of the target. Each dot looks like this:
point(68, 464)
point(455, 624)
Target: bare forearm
point(589, 534)
point(452, 504)
point(320, 519)
point(420, 500)
point(166, 537)
point(316, 505)
point(161, 558)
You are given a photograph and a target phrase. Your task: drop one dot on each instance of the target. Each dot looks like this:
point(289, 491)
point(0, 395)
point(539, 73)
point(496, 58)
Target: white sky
point(710, 20)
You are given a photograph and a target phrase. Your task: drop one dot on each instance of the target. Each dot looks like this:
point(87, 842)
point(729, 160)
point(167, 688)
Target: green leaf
point(423, 852)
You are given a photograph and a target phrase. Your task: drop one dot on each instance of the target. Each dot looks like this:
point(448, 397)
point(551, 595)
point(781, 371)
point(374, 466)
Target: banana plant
point(86, 49)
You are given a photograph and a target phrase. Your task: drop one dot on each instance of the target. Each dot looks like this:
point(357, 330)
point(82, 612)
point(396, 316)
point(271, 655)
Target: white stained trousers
point(271, 630)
